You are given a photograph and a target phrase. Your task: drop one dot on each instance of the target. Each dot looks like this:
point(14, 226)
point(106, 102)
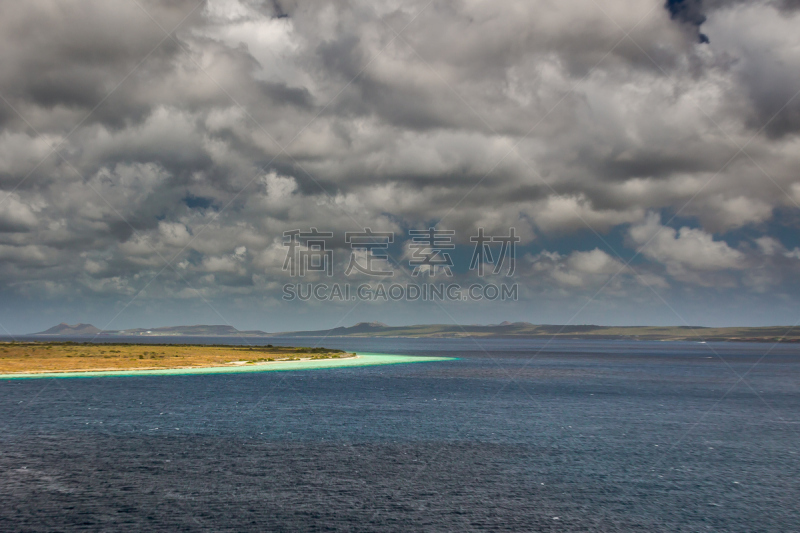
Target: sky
point(155, 157)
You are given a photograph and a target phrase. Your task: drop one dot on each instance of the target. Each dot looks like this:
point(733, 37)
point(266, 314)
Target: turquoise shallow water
point(363, 359)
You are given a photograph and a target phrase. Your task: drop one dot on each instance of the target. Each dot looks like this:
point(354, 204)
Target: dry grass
point(74, 357)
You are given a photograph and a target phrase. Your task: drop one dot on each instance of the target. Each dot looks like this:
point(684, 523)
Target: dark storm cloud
point(764, 63)
point(789, 5)
point(278, 10)
point(253, 118)
point(689, 12)
point(71, 54)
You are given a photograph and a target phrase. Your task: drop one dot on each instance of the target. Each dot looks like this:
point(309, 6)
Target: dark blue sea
point(516, 435)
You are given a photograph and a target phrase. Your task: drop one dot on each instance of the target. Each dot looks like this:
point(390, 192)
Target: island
point(24, 360)
point(29, 357)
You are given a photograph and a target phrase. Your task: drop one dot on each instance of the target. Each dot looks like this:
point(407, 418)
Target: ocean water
point(514, 435)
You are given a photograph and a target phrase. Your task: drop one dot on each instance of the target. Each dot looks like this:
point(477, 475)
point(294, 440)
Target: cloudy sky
point(152, 154)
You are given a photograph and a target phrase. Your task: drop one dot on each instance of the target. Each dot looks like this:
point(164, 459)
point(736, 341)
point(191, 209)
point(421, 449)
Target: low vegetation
point(73, 356)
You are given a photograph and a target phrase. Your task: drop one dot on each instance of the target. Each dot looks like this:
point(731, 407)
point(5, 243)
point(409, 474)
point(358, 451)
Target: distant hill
point(78, 330)
point(362, 329)
point(75, 331)
point(528, 330)
point(504, 329)
point(187, 331)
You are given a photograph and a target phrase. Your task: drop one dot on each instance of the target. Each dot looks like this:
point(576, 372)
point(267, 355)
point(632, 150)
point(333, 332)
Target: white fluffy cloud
point(687, 253)
point(592, 269)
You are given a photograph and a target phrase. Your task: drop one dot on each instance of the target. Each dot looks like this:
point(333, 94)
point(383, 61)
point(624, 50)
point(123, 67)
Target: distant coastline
point(88, 330)
point(784, 334)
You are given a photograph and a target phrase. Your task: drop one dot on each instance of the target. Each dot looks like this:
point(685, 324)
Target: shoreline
point(363, 359)
point(233, 364)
